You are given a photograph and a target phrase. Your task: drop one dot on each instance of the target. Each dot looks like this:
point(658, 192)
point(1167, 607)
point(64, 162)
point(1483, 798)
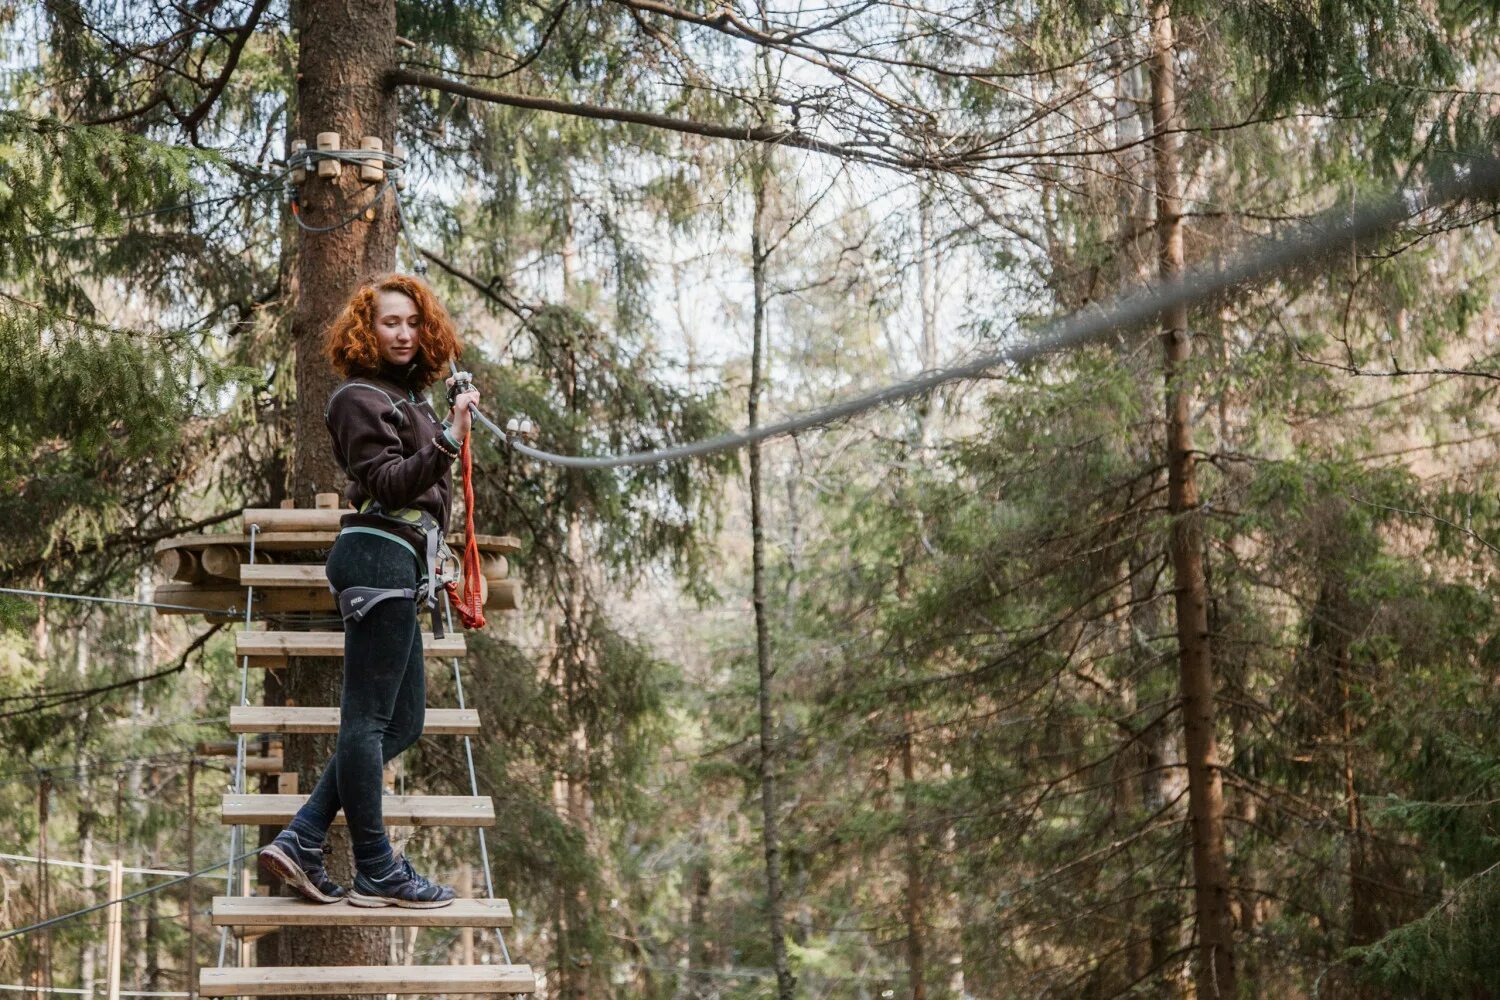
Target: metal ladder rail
point(235, 835)
point(484, 850)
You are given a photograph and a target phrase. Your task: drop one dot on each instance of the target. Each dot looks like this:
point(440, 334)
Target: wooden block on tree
point(407, 980)
point(263, 765)
point(289, 719)
point(284, 644)
point(400, 810)
point(502, 595)
point(181, 564)
point(223, 560)
point(494, 566)
point(235, 911)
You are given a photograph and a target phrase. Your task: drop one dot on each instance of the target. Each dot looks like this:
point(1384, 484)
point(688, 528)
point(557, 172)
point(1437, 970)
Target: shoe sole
point(284, 868)
point(374, 902)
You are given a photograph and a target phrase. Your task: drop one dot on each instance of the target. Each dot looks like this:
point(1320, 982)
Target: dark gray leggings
point(383, 704)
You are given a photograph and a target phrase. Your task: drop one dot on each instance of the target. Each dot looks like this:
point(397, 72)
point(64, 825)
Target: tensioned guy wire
point(158, 887)
point(1338, 230)
point(92, 599)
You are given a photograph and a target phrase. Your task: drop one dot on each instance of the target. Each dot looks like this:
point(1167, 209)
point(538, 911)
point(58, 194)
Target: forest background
point(1162, 668)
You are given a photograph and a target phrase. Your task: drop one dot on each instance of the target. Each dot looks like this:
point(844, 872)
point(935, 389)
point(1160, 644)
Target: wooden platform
point(239, 911)
point(312, 520)
point(322, 538)
point(288, 719)
point(317, 981)
point(400, 810)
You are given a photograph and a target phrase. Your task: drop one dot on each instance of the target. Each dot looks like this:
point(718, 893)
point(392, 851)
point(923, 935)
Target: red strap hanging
point(471, 605)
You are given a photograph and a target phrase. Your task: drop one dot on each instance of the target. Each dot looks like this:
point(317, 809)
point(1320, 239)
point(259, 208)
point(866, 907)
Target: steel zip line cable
point(92, 599)
point(158, 887)
point(1477, 178)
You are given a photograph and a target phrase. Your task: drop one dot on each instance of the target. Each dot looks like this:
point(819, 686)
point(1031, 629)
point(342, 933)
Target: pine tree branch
point(488, 289)
point(55, 699)
point(863, 152)
point(130, 539)
point(194, 118)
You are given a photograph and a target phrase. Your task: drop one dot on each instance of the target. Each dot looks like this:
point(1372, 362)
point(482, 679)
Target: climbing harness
point(356, 602)
point(440, 567)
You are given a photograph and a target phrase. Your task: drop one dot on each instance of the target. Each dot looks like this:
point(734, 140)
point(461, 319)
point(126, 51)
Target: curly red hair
point(353, 348)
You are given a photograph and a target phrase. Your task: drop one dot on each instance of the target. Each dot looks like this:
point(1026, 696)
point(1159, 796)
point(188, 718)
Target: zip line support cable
point(1478, 177)
point(92, 599)
point(58, 862)
point(128, 897)
point(77, 992)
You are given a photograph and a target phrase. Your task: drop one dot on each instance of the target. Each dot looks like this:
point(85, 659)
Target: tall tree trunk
point(344, 48)
point(916, 887)
point(1216, 970)
point(88, 955)
point(771, 834)
point(700, 947)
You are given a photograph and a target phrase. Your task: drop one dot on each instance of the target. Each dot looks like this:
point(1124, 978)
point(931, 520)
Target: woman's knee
point(358, 734)
point(402, 737)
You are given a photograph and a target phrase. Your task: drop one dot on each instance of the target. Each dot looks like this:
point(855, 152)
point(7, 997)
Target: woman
point(391, 342)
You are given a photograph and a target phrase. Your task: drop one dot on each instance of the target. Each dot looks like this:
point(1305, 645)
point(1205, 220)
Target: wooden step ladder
point(207, 569)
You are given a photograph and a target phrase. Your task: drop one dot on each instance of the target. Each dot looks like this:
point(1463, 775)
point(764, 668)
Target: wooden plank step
point(233, 911)
point(317, 980)
point(292, 575)
point(400, 810)
point(288, 719)
point(284, 644)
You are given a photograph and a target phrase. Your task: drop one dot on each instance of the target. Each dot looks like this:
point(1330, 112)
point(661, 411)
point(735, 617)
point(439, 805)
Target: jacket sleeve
point(363, 422)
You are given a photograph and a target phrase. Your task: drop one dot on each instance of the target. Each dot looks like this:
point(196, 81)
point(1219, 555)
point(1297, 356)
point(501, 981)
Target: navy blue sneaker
point(401, 886)
point(301, 868)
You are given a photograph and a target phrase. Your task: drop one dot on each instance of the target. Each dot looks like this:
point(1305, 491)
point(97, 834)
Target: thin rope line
point(131, 217)
point(50, 862)
point(53, 921)
point(77, 992)
point(379, 196)
point(1334, 230)
point(114, 600)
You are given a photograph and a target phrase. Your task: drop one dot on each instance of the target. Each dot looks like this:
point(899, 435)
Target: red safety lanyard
point(471, 604)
